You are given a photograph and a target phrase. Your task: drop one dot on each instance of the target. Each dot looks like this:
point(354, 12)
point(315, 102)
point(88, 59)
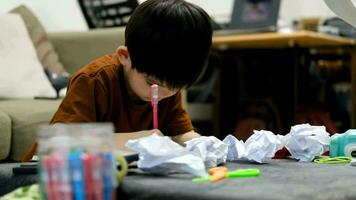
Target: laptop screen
point(255, 14)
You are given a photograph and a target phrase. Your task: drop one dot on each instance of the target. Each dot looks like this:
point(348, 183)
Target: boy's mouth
point(149, 100)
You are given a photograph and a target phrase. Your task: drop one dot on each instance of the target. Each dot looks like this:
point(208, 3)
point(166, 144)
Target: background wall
point(290, 9)
point(65, 15)
point(55, 15)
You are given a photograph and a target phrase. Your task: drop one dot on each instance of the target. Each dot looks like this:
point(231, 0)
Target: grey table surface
point(280, 179)
point(10, 181)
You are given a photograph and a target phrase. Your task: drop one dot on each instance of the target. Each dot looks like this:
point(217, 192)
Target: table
point(292, 49)
point(302, 39)
point(280, 179)
point(10, 181)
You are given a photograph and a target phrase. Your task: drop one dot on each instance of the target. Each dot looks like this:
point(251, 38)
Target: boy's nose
point(164, 93)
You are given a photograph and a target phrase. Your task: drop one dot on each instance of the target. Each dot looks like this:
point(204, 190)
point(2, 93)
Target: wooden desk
point(302, 39)
point(292, 41)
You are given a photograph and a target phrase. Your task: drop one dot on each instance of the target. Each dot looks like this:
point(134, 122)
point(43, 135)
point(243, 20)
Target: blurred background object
point(104, 13)
point(309, 23)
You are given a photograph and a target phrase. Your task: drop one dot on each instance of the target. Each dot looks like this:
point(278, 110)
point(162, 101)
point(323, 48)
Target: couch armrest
point(75, 49)
point(5, 135)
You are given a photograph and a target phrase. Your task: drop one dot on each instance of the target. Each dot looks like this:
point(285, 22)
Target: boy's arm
point(180, 139)
point(122, 138)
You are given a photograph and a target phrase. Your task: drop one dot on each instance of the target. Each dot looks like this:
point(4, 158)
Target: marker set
point(76, 165)
point(78, 175)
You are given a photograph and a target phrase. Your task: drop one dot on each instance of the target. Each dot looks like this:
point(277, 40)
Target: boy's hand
point(180, 139)
point(122, 138)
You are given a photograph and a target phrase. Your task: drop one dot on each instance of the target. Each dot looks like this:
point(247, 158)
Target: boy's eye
point(149, 82)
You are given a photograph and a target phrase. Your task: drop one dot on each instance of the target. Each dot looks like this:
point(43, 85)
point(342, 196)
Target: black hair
point(169, 40)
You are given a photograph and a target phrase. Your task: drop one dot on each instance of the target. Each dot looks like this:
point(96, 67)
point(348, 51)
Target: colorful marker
point(47, 177)
point(61, 170)
point(92, 172)
point(77, 175)
point(109, 181)
point(154, 103)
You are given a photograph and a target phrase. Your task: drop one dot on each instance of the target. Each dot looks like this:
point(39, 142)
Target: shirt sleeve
point(177, 120)
point(84, 101)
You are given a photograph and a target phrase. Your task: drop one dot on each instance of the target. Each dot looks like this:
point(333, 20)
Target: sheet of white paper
point(307, 141)
point(161, 155)
point(212, 150)
point(263, 145)
point(345, 9)
point(259, 147)
point(236, 148)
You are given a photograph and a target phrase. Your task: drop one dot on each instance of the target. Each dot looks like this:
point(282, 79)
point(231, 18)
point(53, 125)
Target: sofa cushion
point(26, 115)
point(45, 50)
point(5, 135)
point(21, 73)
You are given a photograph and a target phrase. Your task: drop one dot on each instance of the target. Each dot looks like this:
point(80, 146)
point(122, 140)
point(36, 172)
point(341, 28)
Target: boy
point(167, 43)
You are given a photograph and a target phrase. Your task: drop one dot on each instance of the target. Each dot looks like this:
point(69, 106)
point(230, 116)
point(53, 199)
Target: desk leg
point(297, 56)
point(353, 88)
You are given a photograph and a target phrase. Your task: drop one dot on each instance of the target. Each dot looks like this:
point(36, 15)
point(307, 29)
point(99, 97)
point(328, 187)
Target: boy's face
point(140, 85)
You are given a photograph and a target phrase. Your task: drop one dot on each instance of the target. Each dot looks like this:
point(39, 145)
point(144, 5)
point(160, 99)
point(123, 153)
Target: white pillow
point(21, 73)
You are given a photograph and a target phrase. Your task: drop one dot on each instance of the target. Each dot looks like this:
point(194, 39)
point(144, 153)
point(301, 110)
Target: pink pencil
point(154, 103)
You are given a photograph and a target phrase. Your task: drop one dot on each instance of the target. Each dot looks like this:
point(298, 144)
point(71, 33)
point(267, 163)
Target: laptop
point(252, 16)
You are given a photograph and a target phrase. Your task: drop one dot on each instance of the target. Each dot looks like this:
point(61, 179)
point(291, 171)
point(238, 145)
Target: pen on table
point(239, 173)
point(154, 103)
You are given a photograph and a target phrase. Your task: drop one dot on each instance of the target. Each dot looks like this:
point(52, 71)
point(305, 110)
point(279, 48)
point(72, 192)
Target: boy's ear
point(123, 55)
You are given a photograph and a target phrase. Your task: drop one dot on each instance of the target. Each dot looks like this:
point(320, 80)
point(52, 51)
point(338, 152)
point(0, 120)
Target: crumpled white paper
point(212, 150)
point(259, 147)
point(307, 141)
point(236, 148)
point(161, 155)
point(263, 145)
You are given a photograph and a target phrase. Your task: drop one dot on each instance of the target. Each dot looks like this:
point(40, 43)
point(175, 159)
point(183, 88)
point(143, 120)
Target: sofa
point(19, 118)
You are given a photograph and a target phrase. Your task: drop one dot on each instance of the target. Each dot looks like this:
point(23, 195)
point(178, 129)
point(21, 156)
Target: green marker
point(240, 173)
point(243, 173)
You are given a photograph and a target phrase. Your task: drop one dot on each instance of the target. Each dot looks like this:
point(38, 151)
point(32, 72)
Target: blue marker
point(77, 175)
point(108, 175)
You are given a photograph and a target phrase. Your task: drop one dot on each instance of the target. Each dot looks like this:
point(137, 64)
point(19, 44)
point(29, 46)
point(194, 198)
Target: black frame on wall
point(104, 13)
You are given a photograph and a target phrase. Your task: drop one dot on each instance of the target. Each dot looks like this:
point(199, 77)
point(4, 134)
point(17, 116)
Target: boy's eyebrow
point(151, 80)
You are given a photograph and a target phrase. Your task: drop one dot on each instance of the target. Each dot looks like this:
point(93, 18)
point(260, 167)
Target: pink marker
point(154, 103)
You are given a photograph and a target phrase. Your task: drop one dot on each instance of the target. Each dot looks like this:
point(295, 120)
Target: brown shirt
point(98, 93)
